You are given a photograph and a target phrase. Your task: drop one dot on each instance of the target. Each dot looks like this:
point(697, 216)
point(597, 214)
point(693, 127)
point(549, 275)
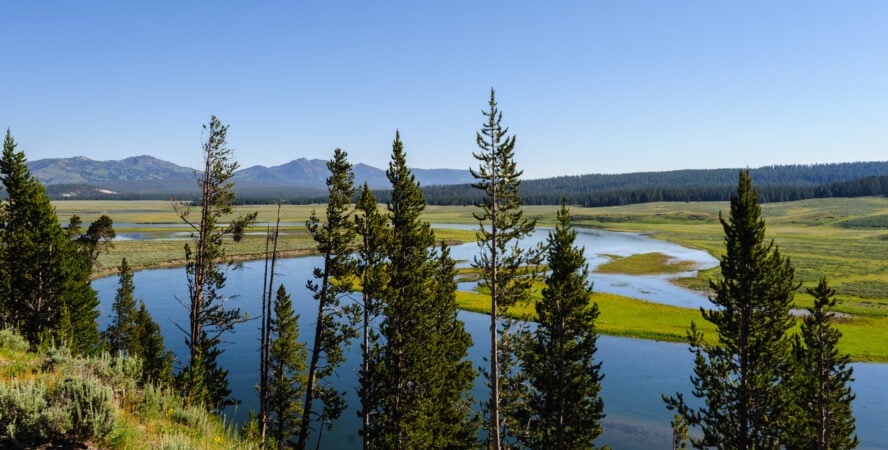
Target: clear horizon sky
point(587, 86)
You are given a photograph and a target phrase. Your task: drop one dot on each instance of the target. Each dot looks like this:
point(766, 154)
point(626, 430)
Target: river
point(636, 371)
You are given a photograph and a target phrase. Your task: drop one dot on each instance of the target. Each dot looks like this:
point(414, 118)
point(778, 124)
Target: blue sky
point(587, 86)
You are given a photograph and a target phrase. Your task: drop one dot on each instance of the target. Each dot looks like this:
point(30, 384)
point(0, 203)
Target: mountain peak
point(144, 171)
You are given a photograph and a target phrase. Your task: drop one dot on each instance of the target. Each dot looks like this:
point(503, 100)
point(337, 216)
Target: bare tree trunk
point(315, 357)
point(265, 350)
point(494, 341)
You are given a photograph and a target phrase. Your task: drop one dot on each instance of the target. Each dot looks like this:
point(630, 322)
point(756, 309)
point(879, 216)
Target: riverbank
point(822, 237)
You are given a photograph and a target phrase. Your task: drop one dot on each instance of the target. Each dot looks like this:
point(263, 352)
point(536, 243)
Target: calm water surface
point(636, 371)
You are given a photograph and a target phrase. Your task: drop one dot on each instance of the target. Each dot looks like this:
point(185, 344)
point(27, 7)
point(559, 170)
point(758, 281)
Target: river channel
point(636, 371)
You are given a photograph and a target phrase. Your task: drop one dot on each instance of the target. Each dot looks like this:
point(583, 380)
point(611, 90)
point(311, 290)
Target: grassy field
point(843, 239)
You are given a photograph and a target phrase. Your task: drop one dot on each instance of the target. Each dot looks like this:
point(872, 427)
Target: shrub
point(22, 408)
point(11, 340)
point(152, 405)
point(89, 405)
point(175, 442)
point(56, 356)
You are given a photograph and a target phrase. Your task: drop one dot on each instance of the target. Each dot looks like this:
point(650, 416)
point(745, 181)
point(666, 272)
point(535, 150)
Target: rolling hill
point(149, 177)
point(302, 180)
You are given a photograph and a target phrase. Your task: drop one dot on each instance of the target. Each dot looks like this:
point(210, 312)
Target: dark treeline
point(776, 184)
point(540, 193)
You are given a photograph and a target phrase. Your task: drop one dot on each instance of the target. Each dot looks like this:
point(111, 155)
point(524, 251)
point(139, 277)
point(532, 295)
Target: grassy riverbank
point(843, 239)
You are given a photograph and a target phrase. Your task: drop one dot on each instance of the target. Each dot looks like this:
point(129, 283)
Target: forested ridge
point(775, 184)
point(781, 184)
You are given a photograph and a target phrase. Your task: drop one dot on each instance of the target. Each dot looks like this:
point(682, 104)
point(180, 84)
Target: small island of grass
point(646, 264)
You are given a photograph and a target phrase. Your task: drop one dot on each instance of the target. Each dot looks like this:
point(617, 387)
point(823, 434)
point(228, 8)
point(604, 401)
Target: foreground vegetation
point(50, 396)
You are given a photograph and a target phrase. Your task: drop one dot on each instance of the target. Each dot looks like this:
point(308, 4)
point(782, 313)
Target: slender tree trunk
point(265, 350)
point(494, 292)
point(743, 401)
point(263, 344)
point(197, 294)
point(365, 363)
point(559, 432)
point(823, 375)
point(315, 357)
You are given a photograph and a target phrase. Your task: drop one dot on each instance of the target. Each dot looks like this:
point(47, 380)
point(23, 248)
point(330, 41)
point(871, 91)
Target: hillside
point(146, 177)
point(51, 399)
point(302, 180)
point(774, 183)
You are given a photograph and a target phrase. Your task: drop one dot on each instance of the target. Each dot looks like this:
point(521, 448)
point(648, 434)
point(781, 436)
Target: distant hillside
point(82, 170)
point(775, 183)
point(314, 173)
point(148, 177)
point(302, 180)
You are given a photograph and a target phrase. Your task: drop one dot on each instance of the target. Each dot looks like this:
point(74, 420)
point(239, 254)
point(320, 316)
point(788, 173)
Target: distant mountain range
point(303, 180)
point(146, 176)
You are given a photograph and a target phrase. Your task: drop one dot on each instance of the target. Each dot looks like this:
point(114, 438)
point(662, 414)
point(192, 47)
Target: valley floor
point(845, 240)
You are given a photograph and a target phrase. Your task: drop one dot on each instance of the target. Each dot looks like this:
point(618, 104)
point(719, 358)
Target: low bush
point(11, 340)
point(31, 414)
point(90, 407)
point(21, 412)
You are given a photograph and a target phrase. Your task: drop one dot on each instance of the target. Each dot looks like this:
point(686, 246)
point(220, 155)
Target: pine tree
point(370, 225)
point(420, 338)
point(335, 326)
point(202, 380)
point(559, 356)
point(157, 361)
point(741, 377)
point(133, 332)
point(75, 226)
point(822, 418)
point(452, 421)
point(502, 226)
point(286, 372)
point(44, 279)
point(97, 239)
point(120, 337)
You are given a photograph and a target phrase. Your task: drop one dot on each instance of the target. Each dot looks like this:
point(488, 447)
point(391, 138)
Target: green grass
point(646, 264)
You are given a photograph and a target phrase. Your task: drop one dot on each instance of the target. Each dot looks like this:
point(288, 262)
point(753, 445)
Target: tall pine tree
point(202, 380)
point(119, 337)
point(335, 325)
point(558, 357)
point(502, 226)
point(452, 421)
point(822, 417)
point(286, 372)
point(370, 225)
point(44, 278)
point(741, 377)
point(421, 340)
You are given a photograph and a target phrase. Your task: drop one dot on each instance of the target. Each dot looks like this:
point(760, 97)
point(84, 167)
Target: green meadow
point(845, 240)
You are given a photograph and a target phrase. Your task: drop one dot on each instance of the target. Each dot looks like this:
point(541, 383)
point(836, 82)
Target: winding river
point(636, 371)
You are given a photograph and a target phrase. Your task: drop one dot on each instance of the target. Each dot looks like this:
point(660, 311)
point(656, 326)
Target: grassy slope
point(844, 239)
point(144, 417)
